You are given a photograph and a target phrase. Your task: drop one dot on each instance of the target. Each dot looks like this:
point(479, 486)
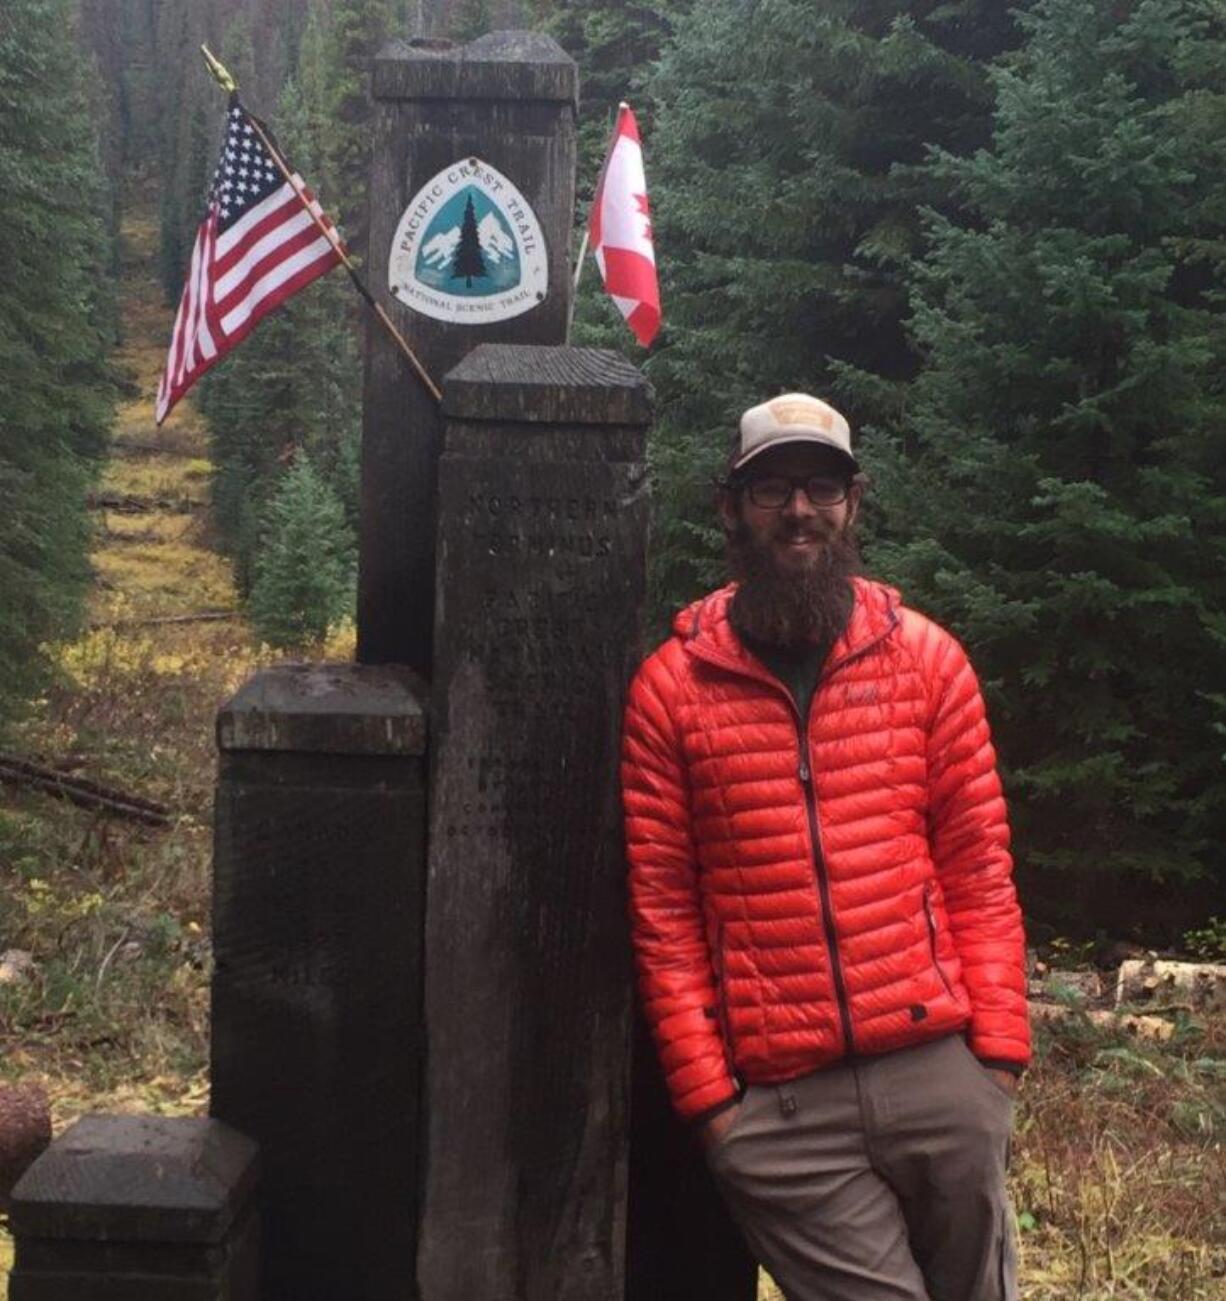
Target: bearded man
point(828, 942)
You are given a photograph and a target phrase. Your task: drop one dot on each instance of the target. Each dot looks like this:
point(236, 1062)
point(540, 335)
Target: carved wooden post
point(471, 205)
point(317, 905)
point(541, 574)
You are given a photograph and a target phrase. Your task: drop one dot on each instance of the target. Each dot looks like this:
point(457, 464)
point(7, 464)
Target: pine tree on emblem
point(468, 260)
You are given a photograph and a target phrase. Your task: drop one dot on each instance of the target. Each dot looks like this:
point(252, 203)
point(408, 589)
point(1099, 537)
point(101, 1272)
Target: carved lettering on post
point(541, 551)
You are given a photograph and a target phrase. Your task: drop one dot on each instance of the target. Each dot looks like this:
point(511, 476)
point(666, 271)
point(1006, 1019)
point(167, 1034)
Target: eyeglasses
point(775, 491)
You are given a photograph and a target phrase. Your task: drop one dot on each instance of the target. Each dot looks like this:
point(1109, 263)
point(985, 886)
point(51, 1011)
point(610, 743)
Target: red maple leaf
point(640, 202)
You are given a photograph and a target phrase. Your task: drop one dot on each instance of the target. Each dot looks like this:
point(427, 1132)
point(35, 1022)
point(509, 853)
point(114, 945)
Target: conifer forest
point(993, 235)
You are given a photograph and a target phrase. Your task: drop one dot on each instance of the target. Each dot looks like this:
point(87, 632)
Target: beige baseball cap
point(791, 418)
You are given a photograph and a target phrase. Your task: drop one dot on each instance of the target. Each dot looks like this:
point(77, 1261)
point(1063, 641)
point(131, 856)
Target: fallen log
point(1159, 982)
point(1143, 1027)
point(126, 445)
point(15, 771)
point(202, 616)
point(129, 504)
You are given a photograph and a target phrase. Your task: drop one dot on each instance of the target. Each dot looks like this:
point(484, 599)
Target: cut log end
point(25, 1132)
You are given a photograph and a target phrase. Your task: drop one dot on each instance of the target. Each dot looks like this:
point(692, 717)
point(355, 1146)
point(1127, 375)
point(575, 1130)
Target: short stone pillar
point(317, 908)
point(138, 1208)
point(541, 576)
point(493, 122)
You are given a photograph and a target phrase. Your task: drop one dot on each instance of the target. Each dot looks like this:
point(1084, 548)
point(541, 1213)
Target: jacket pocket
point(930, 917)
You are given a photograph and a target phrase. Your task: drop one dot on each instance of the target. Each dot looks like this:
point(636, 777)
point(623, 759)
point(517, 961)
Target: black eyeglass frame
point(802, 481)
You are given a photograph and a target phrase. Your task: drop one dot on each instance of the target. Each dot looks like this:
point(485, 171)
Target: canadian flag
point(620, 231)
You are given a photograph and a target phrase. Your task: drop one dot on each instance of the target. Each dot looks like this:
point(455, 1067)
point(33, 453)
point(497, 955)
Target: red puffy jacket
point(804, 891)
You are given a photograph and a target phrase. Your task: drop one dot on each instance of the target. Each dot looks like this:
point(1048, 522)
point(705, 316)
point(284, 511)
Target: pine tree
point(307, 563)
point(785, 177)
point(1065, 506)
point(354, 31)
point(55, 319)
point(468, 261)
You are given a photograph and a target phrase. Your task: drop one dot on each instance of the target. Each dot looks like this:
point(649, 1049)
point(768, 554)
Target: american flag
point(256, 246)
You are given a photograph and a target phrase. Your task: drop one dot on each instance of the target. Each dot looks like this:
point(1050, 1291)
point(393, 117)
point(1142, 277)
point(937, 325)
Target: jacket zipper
point(805, 774)
point(930, 915)
point(723, 1020)
point(806, 781)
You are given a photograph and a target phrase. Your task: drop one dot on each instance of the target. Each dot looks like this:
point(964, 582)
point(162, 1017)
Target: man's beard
point(778, 606)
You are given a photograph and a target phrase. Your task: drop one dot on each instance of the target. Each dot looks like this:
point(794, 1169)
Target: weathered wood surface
point(316, 1035)
point(16, 771)
point(541, 576)
point(138, 1179)
point(510, 99)
point(583, 387)
point(1199, 985)
point(25, 1132)
point(138, 1208)
point(499, 65)
point(327, 709)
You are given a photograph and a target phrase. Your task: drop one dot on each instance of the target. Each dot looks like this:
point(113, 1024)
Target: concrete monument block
point(138, 1208)
point(317, 914)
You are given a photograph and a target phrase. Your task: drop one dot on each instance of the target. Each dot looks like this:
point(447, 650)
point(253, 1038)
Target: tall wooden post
point(541, 577)
point(492, 122)
point(318, 878)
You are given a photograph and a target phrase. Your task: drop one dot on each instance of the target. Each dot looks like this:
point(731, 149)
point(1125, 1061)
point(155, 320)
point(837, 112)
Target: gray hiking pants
point(881, 1179)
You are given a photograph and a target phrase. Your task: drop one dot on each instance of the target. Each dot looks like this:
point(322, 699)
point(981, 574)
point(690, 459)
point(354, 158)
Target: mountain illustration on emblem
point(468, 248)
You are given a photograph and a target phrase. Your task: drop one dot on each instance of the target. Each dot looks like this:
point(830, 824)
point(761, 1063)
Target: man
point(829, 947)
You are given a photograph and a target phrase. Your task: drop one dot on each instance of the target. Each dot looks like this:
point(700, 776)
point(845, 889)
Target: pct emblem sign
point(469, 249)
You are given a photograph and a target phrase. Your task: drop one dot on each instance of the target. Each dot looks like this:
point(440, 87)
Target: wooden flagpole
point(227, 83)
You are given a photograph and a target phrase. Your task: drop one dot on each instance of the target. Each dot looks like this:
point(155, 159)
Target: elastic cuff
point(701, 1119)
point(996, 1064)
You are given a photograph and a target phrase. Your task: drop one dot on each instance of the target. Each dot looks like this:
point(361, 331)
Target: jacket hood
point(705, 630)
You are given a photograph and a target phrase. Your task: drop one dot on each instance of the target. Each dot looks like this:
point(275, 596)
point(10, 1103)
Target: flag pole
point(574, 289)
point(228, 84)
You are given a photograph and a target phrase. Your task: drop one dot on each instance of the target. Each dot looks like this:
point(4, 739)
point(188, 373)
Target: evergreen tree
point(468, 261)
point(1065, 507)
point(55, 318)
point(615, 47)
point(354, 32)
point(785, 171)
point(307, 563)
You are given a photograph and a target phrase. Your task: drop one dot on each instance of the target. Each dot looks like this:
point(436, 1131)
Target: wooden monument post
point(471, 209)
point(542, 529)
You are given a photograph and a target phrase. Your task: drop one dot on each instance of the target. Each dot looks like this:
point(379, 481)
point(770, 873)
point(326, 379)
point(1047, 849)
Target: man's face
point(794, 534)
point(792, 556)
